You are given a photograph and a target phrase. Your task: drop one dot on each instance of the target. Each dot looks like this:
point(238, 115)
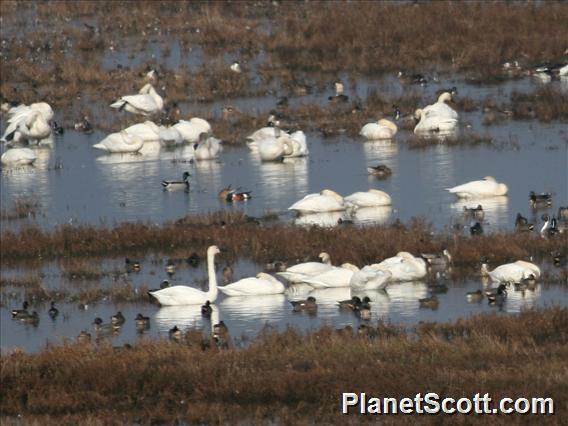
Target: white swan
point(18, 157)
point(403, 267)
point(299, 145)
point(382, 129)
point(208, 147)
point(146, 102)
point(190, 130)
point(441, 108)
point(295, 274)
point(275, 148)
point(184, 295)
point(28, 122)
point(270, 131)
point(120, 142)
point(261, 284)
point(148, 131)
point(337, 276)
point(33, 128)
point(369, 278)
point(170, 136)
point(438, 117)
point(488, 187)
point(371, 198)
point(511, 272)
point(326, 201)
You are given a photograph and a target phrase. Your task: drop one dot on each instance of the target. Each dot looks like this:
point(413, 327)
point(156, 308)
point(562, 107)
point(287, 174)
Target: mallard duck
point(526, 283)
point(172, 185)
point(522, 224)
point(474, 212)
point(363, 309)
point(142, 322)
point(53, 311)
point(28, 318)
point(175, 333)
point(474, 296)
point(206, 309)
point(412, 78)
point(304, 305)
point(543, 199)
point(429, 302)
point(476, 229)
point(380, 171)
point(497, 296)
point(24, 310)
point(117, 319)
point(350, 304)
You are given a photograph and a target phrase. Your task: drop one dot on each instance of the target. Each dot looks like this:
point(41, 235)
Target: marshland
point(87, 233)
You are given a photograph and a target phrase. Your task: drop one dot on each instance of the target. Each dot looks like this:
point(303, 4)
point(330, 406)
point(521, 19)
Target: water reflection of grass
point(288, 377)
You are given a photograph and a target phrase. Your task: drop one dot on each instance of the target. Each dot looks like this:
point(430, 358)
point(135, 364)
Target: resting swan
point(28, 122)
point(299, 145)
point(148, 131)
point(337, 276)
point(120, 142)
point(382, 129)
point(208, 147)
point(274, 148)
point(18, 157)
point(403, 267)
point(438, 117)
point(326, 201)
point(371, 198)
point(511, 272)
point(146, 102)
point(170, 136)
point(488, 187)
point(184, 295)
point(369, 278)
point(261, 284)
point(296, 273)
point(190, 130)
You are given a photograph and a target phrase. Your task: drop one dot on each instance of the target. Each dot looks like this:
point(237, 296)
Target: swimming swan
point(403, 267)
point(261, 284)
point(326, 201)
point(295, 274)
point(190, 130)
point(382, 129)
point(511, 272)
point(184, 295)
point(18, 157)
point(371, 198)
point(488, 187)
point(120, 142)
point(146, 102)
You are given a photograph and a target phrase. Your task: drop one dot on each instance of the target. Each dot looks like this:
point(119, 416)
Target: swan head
point(213, 250)
point(418, 114)
point(445, 97)
point(44, 108)
point(332, 194)
point(489, 178)
point(387, 123)
point(324, 257)
point(151, 76)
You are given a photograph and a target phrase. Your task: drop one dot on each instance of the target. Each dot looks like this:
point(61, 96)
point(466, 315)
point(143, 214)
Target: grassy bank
point(290, 378)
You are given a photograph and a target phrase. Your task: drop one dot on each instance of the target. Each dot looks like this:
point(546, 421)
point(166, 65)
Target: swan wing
point(335, 277)
point(143, 103)
point(317, 203)
point(368, 199)
point(252, 286)
point(179, 295)
point(143, 131)
point(476, 188)
point(530, 268)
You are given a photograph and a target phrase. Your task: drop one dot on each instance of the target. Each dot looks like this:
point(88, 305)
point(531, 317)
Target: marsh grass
point(22, 208)
point(289, 377)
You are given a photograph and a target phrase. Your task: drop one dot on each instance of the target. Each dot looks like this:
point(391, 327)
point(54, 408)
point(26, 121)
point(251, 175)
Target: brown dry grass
point(23, 207)
point(289, 378)
point(242, 237)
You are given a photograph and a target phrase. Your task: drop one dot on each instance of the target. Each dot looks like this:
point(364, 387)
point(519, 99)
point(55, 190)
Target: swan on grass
point(146, 102)
point(369, 278)
point(403, 267)
point(371, 198)
point(382, 129)
point(190, 130)
point(511, 272)
point(184, 295)
point(295, 274)
point(337, 276)
point(325, 201)
point(487, 187)
point(120, 142)
point(18, 157)
point(208, 147)
point(261, 284)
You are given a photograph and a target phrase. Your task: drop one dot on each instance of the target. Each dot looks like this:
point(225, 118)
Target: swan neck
point(484, 270)
point(212, 293)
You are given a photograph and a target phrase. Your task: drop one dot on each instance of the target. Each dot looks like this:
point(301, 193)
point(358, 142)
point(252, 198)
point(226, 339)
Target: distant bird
point(227, 274)
point(526, 283)
point(522, 224)
point(474, 212)
point(558, 258)
point(339, 96)
point(221, 335)
point(550, 227)
point(409, 78)
point(563, 213)
point(497, 296)
point(175, 333)
point(170, 267)
point(236, 67)
point(363, 309)
point(429, 302)
point(380, 171)
point(24, 310)
point(474, 296)
point(349, 304)
point(308, 305)
point(206, 309)
point(84, 125)
point(142, 322)
point(543, 199)
point(476, 229)
point(53, 311)
point(438, 259)
point(172, 185)
point(194, 260)
point(84, 337)
point(117, 319)
point(28, 318)
point(132, 265)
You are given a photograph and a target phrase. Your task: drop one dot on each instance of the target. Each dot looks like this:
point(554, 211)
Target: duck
point(117, 319)
point(510, 272)
point(185, 295)
point(403, 267)
point(173, 185)
point(337, 276)
point(363, 309)
point(540, 200)
point(236, 67)
point(325, 201)
point(522, 224)
point(474, 296)
point(528, 283)
point(24, 310)
point(206, 309)
point(193, 260)
point(53, 311)
point(295, 273)
point(299, 145)
point(497, 296)
point(474, 212)
point(563, 213)
point(476, 228)
point(339, 96)
point(84, 337)
point(227, 274)
point(84, 125)
point(191, 129)
point(146, 102)
point(487, 187)
point(220, 333)
point(550, 226)
point(371, 198)
point(380, 171)
point(350, 304)
point(438, 259)
point(142, 322)
point(132, 265)
point(175, 333)
point(208, 147)
point(120, 142)
point(431, 302)
point(412, 78)
point(170, 267)
point(382, 129)
point(230, 195)
point(308, 305)
point(28, 318)
point(102, 328)
point(369, 278)
point(18, 157)
point(262, 284)
point(558, 259)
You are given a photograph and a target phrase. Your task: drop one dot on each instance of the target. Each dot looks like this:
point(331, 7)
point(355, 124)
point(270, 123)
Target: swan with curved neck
point(184, 295)
point(511, 272)
point(382, 129)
